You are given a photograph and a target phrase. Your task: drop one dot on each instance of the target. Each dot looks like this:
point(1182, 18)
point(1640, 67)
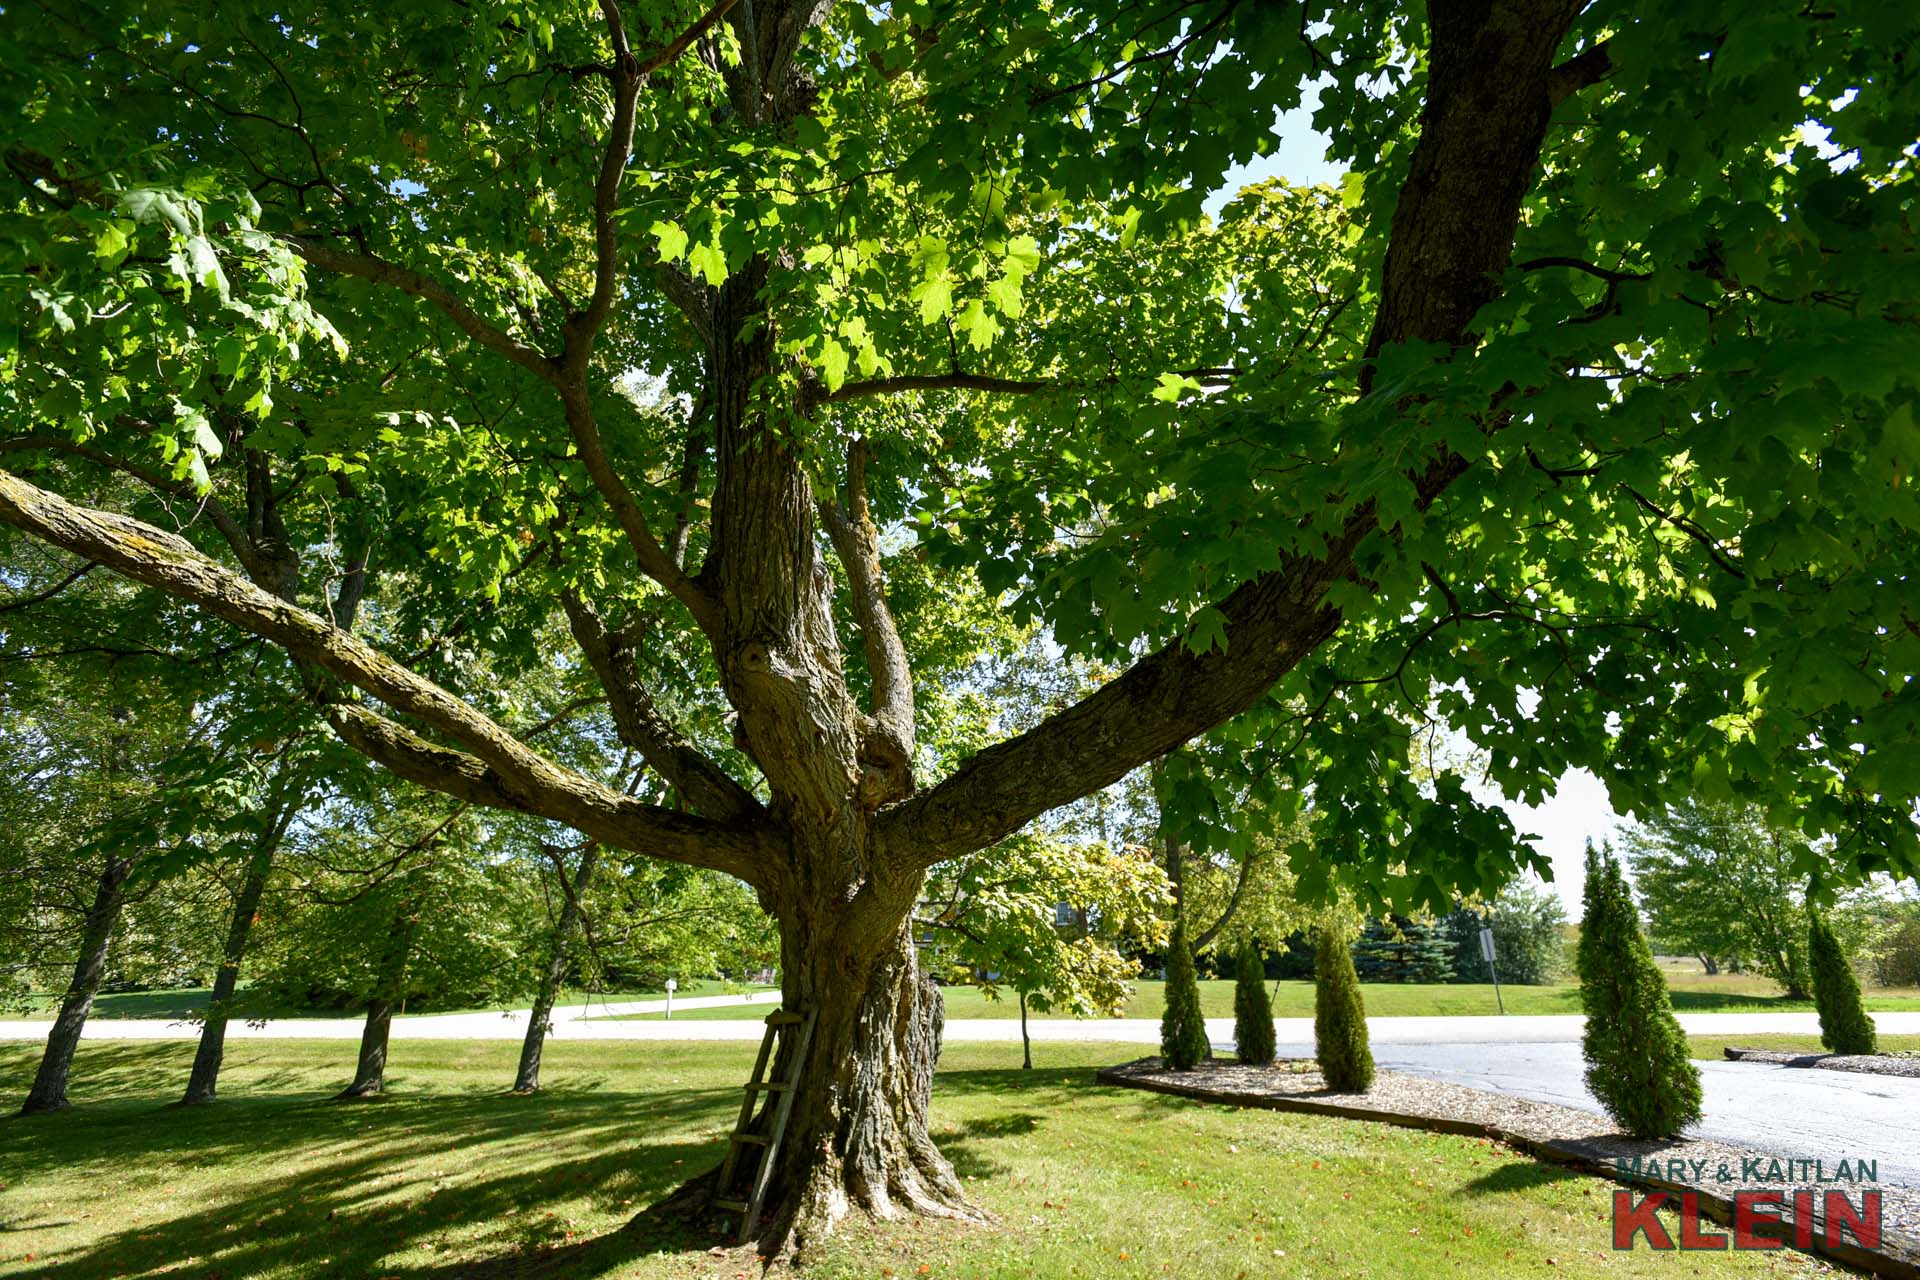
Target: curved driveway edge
point(1898, 1258)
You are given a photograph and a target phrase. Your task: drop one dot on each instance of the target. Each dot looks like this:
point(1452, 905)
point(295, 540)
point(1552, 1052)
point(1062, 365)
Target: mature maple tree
point(1582, 416)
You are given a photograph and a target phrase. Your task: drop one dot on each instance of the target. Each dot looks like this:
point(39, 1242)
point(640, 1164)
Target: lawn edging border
point(1868, 1064)
point(1715, 1206)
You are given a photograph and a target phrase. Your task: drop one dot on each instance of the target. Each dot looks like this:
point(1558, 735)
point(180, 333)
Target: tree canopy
point(700, 358)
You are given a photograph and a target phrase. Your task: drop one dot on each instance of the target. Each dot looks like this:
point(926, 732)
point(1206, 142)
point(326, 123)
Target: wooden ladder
point(781, 1023)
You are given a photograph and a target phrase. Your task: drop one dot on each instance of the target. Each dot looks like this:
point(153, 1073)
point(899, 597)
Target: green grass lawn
point(275, 1181)
point(1693, 992)
point(175, 1003)
point(1713, 1046)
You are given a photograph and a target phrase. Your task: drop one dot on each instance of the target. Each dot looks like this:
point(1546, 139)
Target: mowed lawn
point(450, 1173)
point(1693, 992)
point(1714, 1046)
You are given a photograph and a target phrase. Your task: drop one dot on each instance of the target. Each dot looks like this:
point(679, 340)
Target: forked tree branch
point(376, 270)
point(605, 814)
point(583, 326)
point(1451, 241)
point(857, 542)
point(643, 727)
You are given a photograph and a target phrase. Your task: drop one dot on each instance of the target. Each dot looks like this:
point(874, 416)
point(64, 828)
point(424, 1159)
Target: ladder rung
point(737, 1206)
point(757, 1139)
point(773, 1086)
point(781, 1018)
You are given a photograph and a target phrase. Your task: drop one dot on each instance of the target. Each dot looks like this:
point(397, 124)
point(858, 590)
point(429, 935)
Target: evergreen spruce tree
point(1339, 1015)
point(1252, 1010)
point(1844, 1024)
point(1183, 1033)
point(1403, 949)
point(1637, 1064)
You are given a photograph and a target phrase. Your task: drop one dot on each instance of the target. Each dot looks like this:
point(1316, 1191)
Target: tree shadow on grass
point(358, 1183)
point(964, 1145)
point(122, 1067)
point(1037, 1088)
point(670, 1226)
point(1519, 1177)
point(313, 1186)
point(1727, 1001)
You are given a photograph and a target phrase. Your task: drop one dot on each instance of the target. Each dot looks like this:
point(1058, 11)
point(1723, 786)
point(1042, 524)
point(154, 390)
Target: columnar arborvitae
point(1252, 1010)
point(1339, 1015)
point(1637, 1064)
point(1183, 1032)
point(1844, 1024)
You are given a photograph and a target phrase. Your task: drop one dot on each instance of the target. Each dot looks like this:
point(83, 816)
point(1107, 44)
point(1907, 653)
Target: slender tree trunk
point(49, 1092)
point(1026, 1042)
point(370, 1074)
point(213, 1031)
point(539, 1019)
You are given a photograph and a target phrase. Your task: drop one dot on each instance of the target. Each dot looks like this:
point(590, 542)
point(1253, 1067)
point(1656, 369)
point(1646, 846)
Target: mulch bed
point(1560, 1135)
point(1877, 1064)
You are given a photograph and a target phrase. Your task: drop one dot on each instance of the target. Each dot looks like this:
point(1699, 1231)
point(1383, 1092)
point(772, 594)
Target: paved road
point(1793, 1111)
point(592, 1023)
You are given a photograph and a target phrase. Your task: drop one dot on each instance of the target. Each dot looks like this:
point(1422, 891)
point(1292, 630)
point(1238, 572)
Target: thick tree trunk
point(540, 1018)
point(49, 1092)
point(370, 1074)
point(205, 1077)
point(857, 1136)
point(1708, 963)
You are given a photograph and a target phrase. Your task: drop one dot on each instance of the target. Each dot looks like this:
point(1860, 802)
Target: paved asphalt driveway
point(1793, 1111)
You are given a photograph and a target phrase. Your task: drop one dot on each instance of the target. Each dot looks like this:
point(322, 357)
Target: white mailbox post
point(672, 986)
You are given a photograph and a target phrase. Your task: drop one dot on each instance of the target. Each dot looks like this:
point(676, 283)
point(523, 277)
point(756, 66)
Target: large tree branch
point(1162, 701)
point(888, 749)
point(960, 380)
point(366, 266)
point(653, 558)
point(888, 735)
point(223, 521)
point(642, 726)
point(629, 76)
point(1486, 113)
point(606, 815)
point(1588, 67)
point(495, 762)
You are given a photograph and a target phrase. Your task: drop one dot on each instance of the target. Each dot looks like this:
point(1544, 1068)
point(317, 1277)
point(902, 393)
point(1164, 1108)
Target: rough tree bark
point(49, 1092)
point(540, 1018)
point(840, 849)
point(389, 988)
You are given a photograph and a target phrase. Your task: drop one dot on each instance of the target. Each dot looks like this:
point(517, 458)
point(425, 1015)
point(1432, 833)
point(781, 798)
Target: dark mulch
point(1876, 1064)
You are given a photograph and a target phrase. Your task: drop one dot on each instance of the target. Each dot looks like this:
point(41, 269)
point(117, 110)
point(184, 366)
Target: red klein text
point(1758, 1219)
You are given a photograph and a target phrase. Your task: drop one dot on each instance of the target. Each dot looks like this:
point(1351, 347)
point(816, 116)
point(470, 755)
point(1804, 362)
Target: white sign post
point(671, 987)
point(1486, 949)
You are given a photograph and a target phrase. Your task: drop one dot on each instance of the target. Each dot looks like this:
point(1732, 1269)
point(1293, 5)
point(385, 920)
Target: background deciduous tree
point(1718, 881)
